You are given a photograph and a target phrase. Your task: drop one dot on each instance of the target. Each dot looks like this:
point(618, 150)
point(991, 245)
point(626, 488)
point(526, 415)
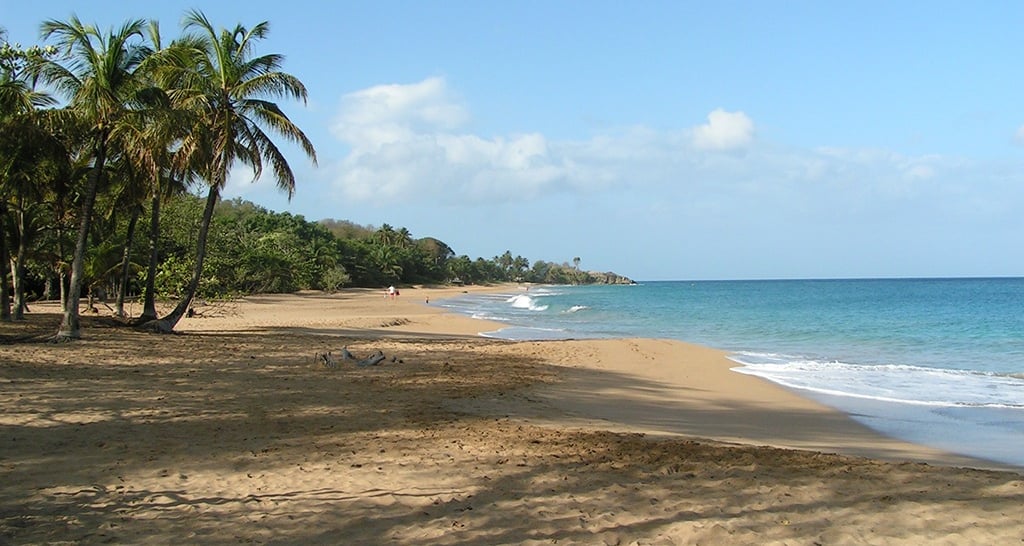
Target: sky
point(669, 140)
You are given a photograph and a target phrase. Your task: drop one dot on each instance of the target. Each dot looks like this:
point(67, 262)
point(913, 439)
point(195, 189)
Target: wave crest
point(522, 301)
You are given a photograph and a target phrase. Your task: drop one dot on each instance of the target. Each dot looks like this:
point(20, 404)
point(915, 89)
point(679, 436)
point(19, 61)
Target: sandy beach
point(234, 431)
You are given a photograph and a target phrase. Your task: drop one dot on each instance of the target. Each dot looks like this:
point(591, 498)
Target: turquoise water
point(935, 361)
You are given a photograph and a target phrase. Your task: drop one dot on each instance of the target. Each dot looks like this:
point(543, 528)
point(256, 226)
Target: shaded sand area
point(231, 432)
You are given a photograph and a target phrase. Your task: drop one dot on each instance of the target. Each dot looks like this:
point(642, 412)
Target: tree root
point(156, 327)
point(64, 337)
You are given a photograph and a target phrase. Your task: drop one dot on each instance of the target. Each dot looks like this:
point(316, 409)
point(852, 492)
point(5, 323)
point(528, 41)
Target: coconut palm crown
point(232, 90)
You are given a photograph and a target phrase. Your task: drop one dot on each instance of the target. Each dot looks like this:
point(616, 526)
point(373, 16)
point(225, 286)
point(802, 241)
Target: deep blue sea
point(938, 362)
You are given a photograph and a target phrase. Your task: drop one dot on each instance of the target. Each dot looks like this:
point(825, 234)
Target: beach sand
point(233, 431)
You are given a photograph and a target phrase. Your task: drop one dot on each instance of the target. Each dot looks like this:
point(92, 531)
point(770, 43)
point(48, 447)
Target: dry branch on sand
point(328, 361)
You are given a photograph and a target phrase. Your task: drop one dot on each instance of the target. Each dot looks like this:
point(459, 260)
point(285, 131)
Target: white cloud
point(385, 113)
point(724, 131)
point(407, 143)
point(919, 172)
point(1018, 137)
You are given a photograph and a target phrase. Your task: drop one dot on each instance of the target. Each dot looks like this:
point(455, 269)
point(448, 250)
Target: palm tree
point(129, 192)
point(163, 185)
point(505, 263)
point(37, 160)
point(28, 152)
point(387, 260)
point(146, 144)
point(228, 88)
point(403, 238)
point(386, 235)
point(98, 78)
point(519, 267)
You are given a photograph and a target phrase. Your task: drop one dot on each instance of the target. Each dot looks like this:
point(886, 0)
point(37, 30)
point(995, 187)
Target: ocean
point(938, 362)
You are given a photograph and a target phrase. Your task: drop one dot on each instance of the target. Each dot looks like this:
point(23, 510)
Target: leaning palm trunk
point(71, 325)
point(126, 258)
point(167, 324)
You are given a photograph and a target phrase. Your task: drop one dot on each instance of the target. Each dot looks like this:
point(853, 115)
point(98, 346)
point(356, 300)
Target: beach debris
point(328, 361)
point(326, 358)
point(372, 360)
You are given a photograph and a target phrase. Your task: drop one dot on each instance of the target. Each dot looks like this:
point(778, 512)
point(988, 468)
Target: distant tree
point(343, 229)
point(539, 272)
point(504, 262)
point(403, 239)
point(386, 236)
point(461, 269)
point(520, 265)
point(436, 255)
point(387, 260)
point(334, 279)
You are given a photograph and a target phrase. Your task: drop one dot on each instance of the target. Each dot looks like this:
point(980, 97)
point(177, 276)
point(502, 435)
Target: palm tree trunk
point(5, 298)
point(60, 270)
point(71, 325)
point(149, 293)
point(126, 261)
point(167, 324)
point(19, 267)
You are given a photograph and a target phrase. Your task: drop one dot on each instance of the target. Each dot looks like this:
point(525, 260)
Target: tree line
point(110, 137)
point(252, 250)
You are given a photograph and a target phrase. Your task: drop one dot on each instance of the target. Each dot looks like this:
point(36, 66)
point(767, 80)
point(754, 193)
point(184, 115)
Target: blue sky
point(661, 140)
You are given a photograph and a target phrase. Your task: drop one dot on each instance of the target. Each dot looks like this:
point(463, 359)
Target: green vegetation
point(253, 250)
point(109, 138)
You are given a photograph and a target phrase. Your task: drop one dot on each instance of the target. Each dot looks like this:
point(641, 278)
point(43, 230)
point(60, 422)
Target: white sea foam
point(576, 308)
point(487, 316)
point(528, 333)
point(888, 383)
point(522, 301)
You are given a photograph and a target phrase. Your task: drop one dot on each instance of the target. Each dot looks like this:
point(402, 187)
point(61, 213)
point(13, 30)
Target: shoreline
point(633, 390)
point(234, 431)
point(748, 409)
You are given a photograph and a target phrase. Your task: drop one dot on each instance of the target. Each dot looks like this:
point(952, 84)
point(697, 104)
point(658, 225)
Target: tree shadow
point(241, 437)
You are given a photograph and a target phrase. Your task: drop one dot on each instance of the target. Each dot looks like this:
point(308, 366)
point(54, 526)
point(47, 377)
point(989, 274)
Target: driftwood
point(372, 360)
point(326, 358)
point(328, 361)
